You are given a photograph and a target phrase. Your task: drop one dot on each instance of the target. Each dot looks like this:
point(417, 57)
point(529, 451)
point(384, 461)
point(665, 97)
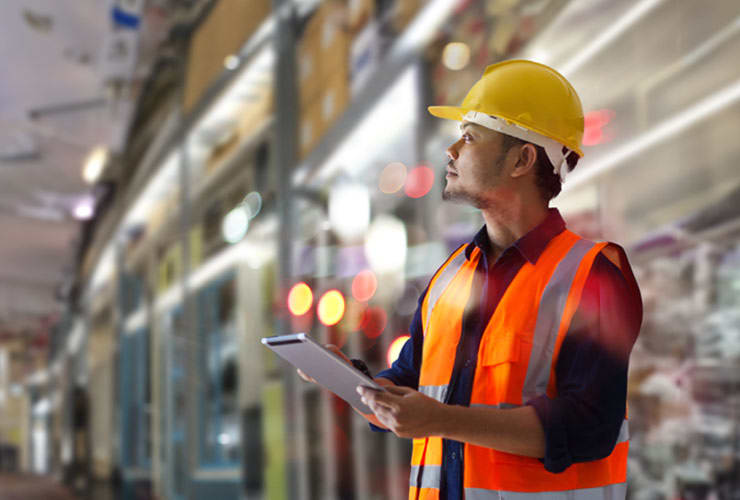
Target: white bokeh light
point(235, 225)
point(84, 210)
point(456, 55)
point(231, 62)
point(349, 209)
point(95, 164)
point(386, 244)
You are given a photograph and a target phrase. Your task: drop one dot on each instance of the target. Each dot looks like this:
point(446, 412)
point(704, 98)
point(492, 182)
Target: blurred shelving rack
point(168, 166)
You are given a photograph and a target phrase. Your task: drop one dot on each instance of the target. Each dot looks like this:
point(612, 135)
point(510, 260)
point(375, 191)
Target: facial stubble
point(478, 200)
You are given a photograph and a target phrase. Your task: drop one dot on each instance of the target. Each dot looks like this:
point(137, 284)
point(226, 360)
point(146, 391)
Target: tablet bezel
point(327, 368)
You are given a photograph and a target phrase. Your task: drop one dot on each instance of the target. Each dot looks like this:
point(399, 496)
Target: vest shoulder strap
point(440, 280)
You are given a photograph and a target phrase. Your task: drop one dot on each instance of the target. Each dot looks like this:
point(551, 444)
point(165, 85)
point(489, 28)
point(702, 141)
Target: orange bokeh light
point(394, 350)
point(300, 299)
point(419, 182)
point(364, 285)
point(331, 307)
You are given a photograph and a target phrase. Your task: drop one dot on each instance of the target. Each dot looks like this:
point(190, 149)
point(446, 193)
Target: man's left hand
point(405, 412)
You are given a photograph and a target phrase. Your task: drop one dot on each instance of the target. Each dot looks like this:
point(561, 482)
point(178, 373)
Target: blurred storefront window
point(219, 413)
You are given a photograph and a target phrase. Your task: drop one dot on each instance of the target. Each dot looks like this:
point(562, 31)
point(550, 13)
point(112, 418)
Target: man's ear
point(525, 161)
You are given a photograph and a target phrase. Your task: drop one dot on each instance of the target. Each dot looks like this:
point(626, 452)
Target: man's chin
point(453, 196)
point(464, 198)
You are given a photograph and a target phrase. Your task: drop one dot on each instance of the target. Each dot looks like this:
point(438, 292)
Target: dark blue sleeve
point(405, 370)
point(583, 422)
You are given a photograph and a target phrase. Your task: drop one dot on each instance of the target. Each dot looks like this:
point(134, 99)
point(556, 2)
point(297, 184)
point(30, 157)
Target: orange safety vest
point(516, 362)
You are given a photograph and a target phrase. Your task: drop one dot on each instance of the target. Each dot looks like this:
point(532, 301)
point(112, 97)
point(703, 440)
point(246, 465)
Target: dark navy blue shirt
point(583, 422)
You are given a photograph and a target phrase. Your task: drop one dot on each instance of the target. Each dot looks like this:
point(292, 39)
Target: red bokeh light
point(419, 182)
point(373, 322)
point(593, 125)
point(364, 285)
point(592, 136)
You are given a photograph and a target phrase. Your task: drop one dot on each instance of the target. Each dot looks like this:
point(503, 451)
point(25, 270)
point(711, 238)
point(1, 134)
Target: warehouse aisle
point(30, 487)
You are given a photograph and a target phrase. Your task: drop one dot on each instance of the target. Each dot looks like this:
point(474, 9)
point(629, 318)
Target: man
point(514, 382)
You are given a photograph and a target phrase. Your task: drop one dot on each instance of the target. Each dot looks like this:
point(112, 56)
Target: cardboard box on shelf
point(359, 13)
point(227, 27)
point(330, 11)
point(318, 117)
point(310, 128)
point(334, 43)
point(309, 72)
point(334, 100)
point(221, 151)
point(323, 50)
point(255, 111)
point(402, 12)
point(365, 55)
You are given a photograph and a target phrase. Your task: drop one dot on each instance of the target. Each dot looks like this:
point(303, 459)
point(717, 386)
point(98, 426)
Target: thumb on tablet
point(304, 376)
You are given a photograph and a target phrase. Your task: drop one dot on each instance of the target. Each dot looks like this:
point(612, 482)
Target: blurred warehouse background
point(179, 178)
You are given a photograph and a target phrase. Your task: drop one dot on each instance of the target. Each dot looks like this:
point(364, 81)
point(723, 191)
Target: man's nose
point(452, 153)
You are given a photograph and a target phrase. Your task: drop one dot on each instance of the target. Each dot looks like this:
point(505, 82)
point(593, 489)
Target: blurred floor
point(30, 487)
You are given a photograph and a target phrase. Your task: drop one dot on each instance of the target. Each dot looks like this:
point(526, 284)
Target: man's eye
point(467, 137)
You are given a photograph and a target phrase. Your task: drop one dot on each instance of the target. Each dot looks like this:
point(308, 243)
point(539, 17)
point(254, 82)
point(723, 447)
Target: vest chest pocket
point(504, 348)
point(501, 360)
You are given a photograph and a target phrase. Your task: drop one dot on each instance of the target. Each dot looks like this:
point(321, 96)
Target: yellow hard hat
point(528, 99)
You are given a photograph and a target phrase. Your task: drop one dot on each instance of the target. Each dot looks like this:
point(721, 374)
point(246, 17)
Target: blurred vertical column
point(188, 337)
point(283, 161)
point(428, 208)
point(118, 334)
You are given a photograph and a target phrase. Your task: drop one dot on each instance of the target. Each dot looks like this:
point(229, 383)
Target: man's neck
point(506, 223)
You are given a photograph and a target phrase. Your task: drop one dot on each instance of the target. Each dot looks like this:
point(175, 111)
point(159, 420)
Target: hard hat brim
point(447, 112)
point(457, 113)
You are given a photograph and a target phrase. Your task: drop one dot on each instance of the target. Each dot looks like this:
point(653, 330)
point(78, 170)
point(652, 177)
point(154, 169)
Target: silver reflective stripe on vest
point(609, 492)
point(444, 279)
point(624, 432)
point(549, 316)
point(438, 392)
point(431, 476)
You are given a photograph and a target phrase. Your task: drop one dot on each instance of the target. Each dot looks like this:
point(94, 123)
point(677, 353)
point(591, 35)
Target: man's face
point(475, 167)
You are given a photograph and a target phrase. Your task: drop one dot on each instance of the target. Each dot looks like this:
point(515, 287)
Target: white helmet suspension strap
point(552, 147)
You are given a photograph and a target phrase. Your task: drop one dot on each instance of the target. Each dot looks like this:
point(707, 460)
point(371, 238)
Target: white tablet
point(328, 369)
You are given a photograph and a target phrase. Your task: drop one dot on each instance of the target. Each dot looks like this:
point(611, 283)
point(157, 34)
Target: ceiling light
point(94, 165)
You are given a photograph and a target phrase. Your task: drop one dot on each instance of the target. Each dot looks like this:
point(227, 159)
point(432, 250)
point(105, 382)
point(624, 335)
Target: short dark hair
point(548, 182)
